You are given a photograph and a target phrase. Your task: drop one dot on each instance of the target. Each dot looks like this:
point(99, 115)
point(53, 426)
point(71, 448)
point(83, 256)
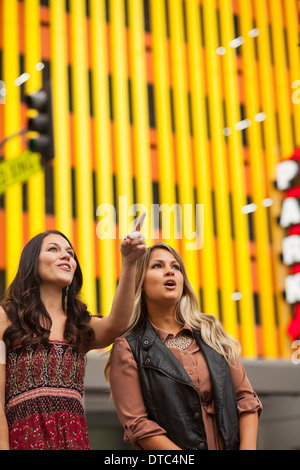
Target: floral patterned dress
point(44, 392)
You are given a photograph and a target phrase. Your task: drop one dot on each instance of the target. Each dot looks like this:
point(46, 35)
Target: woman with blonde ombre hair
point(175, 374)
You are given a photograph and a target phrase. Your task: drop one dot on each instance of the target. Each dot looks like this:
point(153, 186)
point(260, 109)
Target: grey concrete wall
point(278, 385)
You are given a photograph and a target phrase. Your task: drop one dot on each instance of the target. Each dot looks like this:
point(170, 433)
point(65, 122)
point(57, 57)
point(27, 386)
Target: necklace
point(181, 342)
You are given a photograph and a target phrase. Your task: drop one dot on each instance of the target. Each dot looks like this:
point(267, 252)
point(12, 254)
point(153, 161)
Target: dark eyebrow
point(59, 246)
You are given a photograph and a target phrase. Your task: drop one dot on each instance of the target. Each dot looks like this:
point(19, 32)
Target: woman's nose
point(169, 272)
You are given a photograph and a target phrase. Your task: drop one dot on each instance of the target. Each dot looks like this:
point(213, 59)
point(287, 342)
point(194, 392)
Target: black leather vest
point(171, 398)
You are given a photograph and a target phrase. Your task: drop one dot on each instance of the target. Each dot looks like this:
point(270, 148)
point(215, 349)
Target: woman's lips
point(170, 284)
point(65, 266)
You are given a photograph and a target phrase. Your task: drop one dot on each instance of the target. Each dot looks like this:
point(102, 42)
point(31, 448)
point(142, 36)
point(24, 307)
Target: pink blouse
point(128, 398)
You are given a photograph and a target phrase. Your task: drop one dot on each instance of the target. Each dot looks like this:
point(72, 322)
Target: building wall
point(154, 104)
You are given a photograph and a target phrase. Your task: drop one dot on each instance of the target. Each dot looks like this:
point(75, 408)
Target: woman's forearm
point(248, 425)
point(160, 442)
point(124, 298)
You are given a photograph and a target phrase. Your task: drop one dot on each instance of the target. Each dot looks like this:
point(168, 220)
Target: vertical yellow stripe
point(103, 153)
point(183, 140)
point(61, 118)
point(140, 109)
point(292, 29)
point(167, 192)
point(120, 97)
point(238, 191)
point(263, 257)
point(218, 156)
point(283, 95)
point(12, 124)
point(32, 55)
point(82, 146)
point(201, 155)
point(272, 158)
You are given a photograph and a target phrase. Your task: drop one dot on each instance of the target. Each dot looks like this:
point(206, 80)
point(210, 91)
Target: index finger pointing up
point(139, 223)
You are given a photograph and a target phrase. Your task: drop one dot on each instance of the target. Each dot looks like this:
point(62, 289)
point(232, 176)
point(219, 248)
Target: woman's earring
point(66, 298)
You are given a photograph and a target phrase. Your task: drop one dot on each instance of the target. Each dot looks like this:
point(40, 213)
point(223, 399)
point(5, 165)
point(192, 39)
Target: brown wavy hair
point(25, 310)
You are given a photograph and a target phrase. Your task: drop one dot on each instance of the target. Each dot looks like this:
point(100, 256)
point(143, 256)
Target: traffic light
point(41, 123)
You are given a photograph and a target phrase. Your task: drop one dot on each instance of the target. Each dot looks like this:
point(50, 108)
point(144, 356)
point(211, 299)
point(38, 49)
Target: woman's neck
point(52, 300)
point(164, 318)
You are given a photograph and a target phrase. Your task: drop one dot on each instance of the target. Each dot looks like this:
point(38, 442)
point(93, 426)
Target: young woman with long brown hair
point(45, 332)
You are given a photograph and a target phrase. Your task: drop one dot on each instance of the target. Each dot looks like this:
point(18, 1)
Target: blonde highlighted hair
point(187, 310)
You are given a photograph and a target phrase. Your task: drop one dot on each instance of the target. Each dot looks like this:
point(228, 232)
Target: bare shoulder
point(95, 319)
point(95, 322)
point(3, 316)
point(4, 321)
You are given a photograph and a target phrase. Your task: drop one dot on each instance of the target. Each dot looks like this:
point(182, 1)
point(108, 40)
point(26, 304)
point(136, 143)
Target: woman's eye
point(52, 248)
point(176, 267)
point(156, 266)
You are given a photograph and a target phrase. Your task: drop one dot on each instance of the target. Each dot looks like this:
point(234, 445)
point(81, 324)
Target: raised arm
point(108, 328)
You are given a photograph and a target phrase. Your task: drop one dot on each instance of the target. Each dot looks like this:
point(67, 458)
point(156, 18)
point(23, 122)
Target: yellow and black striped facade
point(175, 102)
